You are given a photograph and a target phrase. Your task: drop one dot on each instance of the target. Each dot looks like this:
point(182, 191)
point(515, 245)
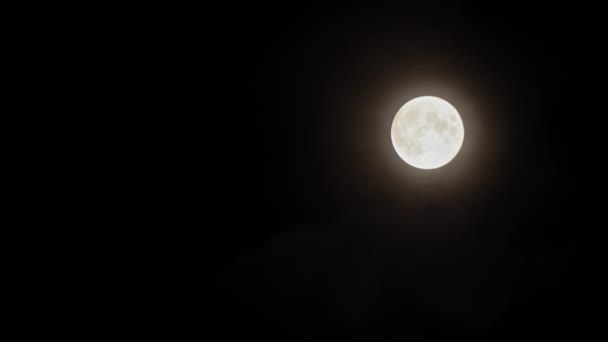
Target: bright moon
point(427, 132)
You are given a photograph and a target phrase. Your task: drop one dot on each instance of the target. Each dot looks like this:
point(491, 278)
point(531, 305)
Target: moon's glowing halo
point(365, 149)
point(427, 132)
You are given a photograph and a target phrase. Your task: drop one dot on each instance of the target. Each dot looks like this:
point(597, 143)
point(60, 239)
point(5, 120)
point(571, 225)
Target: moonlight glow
point(427, 132)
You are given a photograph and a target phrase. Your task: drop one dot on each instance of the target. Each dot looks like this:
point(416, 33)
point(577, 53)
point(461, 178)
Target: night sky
point(326, 232)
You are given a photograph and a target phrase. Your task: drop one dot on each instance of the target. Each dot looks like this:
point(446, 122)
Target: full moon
point(427, 132)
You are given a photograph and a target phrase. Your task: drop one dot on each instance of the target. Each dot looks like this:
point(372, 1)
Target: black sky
point(326, 232)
